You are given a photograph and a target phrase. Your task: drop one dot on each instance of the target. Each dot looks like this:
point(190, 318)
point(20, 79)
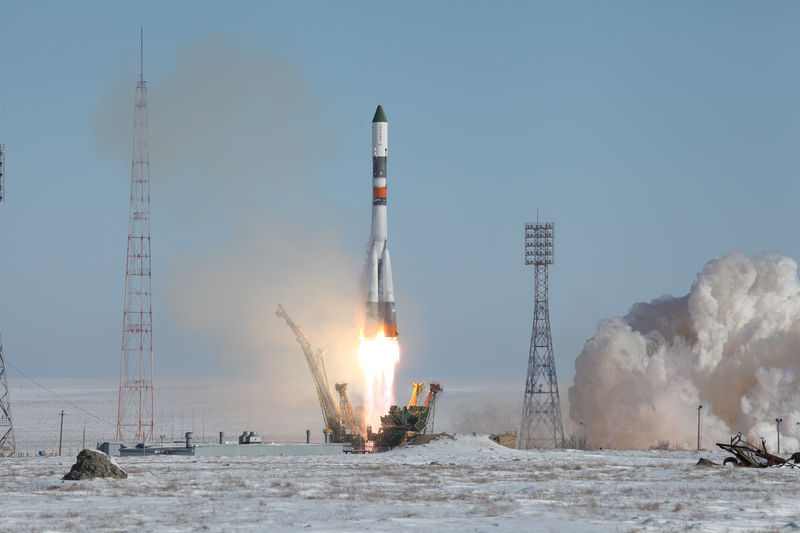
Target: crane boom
point(347, 410)
point(416, 390)
point(316, 364)
point(430, 402)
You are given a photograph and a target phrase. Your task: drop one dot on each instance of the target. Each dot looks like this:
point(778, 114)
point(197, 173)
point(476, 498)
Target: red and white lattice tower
point(136, 392)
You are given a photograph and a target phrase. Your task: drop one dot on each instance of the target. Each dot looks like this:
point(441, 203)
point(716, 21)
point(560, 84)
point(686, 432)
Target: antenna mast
point(541, 408)
point(136, 390)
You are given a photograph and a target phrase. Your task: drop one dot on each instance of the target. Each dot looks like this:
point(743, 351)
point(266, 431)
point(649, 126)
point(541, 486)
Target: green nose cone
point(380, 116)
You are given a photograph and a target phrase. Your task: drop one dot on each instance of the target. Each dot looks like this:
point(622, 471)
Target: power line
point(53, 393)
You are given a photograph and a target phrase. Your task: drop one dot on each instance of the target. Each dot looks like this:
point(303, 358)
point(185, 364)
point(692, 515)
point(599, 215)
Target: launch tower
point(136, 393)
point(541, 409)
point(7, 442)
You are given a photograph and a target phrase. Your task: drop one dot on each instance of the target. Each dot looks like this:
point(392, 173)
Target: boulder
point(92, 464)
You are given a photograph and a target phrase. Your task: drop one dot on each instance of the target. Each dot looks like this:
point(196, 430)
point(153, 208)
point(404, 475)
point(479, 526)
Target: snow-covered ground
point(469, 484)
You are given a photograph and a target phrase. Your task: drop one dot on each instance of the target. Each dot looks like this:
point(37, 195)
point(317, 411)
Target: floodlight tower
point(7, 441)
point(541, 409)
point(136, 392)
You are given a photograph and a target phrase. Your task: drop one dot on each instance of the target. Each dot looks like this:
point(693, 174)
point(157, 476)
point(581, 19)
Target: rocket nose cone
point(380, 116)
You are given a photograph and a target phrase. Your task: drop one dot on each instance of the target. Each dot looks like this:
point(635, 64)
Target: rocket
point(381, 315)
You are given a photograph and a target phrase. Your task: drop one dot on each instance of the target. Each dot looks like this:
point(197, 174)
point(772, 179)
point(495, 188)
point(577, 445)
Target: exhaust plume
point(731, 345)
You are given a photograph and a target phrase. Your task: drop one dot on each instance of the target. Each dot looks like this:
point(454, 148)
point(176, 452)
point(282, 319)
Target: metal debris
point(752, 456)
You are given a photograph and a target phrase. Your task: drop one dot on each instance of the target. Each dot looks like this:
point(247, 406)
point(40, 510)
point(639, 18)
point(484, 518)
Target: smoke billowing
point(229, 128)
point(241, 225)
point(732, 344)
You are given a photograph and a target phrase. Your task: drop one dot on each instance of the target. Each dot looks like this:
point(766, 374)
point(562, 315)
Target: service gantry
point(340, 423)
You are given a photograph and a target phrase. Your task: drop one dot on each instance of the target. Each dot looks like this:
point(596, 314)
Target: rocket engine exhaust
point(379, 351)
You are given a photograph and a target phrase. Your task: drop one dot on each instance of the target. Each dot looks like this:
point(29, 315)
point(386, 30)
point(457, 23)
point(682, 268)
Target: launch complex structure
point(340, 420)
point(342, 424)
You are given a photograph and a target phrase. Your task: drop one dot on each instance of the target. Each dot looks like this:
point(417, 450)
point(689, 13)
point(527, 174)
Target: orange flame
point(378, 357)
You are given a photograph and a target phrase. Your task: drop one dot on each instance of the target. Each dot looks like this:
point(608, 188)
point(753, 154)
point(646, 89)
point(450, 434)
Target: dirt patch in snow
point(425, 439)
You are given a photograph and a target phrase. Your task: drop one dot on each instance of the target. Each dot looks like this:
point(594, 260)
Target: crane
point(316, 363)
point(350, 423)
point(417, 389)
point(433, 390)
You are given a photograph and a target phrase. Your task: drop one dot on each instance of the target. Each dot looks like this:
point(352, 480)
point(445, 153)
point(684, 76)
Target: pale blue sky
point(654, 135)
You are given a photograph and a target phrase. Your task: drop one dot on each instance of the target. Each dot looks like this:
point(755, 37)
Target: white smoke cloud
point(731, 345)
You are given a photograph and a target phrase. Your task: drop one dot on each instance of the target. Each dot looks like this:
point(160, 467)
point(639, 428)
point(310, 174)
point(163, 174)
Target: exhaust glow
point(378, 357)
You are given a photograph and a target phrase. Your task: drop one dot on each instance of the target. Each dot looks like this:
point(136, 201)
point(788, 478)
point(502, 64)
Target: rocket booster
point(381, 314)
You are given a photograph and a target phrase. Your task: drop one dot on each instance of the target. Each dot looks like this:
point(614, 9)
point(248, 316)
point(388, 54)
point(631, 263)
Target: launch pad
point(342, 426)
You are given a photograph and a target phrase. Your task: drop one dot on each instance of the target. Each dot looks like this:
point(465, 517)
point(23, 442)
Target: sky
point(655, 136)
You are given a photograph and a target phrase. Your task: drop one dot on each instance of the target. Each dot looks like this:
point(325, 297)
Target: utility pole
point(60, 433)
point(584, 435)
point(778, 424)
point(699, 408)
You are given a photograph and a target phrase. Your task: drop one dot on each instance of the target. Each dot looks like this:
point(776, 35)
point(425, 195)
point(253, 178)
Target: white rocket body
point(381, 315)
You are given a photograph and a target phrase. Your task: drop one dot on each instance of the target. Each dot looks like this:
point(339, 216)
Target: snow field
point(469, 483)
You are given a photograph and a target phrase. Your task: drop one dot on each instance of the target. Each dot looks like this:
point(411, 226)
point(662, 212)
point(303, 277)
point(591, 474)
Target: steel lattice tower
point(541, 425)
point(136, 392)
point(8, 443)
